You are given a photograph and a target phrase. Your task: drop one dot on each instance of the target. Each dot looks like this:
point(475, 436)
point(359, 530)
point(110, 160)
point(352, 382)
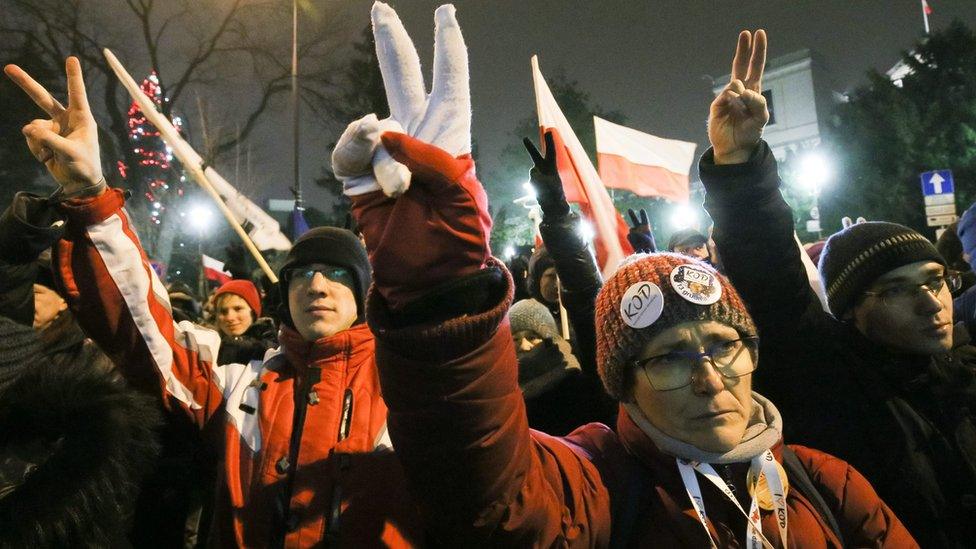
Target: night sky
point(652, 60)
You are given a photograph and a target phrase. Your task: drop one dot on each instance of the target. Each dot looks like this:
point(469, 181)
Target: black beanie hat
point(855, 257)
point(332, 246)
point(686, 237)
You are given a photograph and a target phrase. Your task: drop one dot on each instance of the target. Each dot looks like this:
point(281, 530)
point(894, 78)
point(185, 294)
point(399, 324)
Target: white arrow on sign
point(937, 180)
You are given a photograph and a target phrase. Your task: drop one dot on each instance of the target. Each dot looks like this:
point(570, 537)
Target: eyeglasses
point(676, 369)
point(905, 294)
point(334, 273)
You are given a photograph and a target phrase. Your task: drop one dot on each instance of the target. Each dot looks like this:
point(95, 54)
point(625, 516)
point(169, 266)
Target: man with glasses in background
point(882, 380)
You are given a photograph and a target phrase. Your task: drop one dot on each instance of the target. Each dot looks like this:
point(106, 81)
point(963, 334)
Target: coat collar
point(325, 351)
point(650, 445)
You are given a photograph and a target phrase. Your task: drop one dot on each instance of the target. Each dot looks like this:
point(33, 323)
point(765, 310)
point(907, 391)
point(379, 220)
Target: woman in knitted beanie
point(677, 347)
point(244, 334)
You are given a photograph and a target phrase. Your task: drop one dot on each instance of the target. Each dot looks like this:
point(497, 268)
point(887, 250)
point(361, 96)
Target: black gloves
point(641, 237)
point(544, 178)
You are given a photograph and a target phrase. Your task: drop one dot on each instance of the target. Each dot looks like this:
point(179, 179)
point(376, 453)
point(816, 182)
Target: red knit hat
point(245, 289)
point(650, 293)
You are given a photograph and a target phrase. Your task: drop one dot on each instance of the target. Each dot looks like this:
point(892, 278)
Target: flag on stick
point(641, 163)
point(581, 183)
point(213, 269)
point(265, 233)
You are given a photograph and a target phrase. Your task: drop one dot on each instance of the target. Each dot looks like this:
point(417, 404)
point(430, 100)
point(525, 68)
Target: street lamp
point(200, 218)
point(683, 216)
point(815, 171)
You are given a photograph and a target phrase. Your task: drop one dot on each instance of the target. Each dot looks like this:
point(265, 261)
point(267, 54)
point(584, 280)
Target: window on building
point(768, 94)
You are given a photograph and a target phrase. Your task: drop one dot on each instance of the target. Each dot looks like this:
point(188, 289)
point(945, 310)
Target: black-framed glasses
point(334, 273)
point(905, 294)
point(676, 369)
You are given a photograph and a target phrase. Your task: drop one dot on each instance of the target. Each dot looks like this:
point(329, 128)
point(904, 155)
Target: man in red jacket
point(307, 459)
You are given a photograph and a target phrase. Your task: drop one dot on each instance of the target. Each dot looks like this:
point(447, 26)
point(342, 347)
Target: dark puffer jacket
point(905, 422)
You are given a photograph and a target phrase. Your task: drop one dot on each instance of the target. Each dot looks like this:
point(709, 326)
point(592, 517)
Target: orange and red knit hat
point(650, 293)
point(246, 290)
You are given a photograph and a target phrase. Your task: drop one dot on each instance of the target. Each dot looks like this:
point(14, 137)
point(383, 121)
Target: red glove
point(435, 232)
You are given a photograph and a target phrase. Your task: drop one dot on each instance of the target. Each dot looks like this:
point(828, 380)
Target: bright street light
point(814, 172)
point(586, 230)
point(683, 216)
point(508, 253)
point(200, 217)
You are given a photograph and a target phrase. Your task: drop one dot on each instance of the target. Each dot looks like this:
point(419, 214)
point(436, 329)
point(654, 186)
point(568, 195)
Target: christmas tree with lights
point(156, 177)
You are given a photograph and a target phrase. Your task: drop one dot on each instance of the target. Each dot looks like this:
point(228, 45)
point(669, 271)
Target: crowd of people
point(392, 391)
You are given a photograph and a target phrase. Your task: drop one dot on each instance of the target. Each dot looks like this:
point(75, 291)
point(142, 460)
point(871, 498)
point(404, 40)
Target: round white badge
point(696, 284)
point(641, 305)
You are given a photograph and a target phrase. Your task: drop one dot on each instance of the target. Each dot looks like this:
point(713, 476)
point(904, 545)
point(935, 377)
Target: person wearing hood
point(882, 380)
point(307, 459)
point(244, 334)
point(964, 303)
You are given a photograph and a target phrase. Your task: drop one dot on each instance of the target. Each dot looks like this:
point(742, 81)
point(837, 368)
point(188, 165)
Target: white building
point(798, 92)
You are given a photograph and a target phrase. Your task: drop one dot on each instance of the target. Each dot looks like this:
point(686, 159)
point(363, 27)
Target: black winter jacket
point(251, 345)
point(905, 422)
point(581, 399)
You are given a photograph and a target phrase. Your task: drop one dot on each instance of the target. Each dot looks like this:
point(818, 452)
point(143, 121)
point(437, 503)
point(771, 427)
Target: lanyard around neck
point(765, 464)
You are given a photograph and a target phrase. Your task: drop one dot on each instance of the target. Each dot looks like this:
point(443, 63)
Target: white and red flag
point(581, 182)
point(641, 163)
point(213, 269)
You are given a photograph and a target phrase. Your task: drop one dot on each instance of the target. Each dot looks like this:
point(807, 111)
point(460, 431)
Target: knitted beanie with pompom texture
point(650, 293)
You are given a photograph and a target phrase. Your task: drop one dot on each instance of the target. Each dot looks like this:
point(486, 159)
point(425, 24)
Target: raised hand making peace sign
point(738, 114)
point(441, 118)
point(422, 211)
point(67, 143)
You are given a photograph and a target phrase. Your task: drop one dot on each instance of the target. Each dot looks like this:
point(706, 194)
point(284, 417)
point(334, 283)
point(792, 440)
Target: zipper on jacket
point(345, 420)
point(285, 522)
point(335, 510)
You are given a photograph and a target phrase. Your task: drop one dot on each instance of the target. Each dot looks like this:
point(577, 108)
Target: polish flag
point(641, 163)
point(214, 270)
point(581, 183)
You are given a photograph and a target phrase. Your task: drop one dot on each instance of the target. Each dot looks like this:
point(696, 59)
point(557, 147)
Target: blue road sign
point(937, 182)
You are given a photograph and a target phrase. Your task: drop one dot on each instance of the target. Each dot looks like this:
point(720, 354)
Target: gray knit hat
point(650, 293)
point(855, 257)
point(531, 315)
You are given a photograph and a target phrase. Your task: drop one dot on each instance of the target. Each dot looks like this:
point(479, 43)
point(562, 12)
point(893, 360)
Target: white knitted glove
point(441, 118)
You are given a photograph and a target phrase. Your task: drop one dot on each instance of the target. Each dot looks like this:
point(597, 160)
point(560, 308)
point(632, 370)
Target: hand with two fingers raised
point(67, 142)
point(737, 115)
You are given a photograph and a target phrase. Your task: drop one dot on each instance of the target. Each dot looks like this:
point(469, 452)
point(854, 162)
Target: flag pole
point(295, 108)
point(170, 137)
point(925, 14)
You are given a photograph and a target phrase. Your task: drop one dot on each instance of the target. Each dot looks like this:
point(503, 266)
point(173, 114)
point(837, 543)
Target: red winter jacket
point(348, 488)
point(459, 424)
